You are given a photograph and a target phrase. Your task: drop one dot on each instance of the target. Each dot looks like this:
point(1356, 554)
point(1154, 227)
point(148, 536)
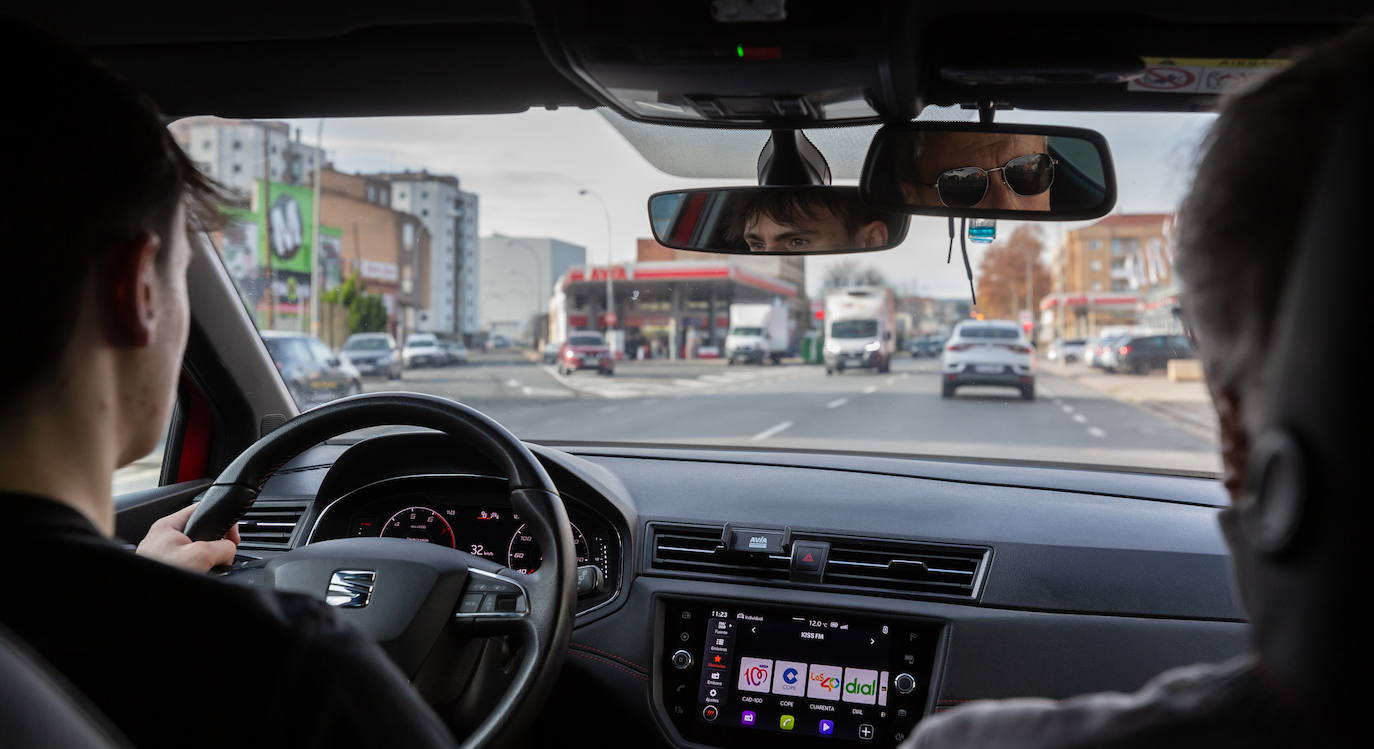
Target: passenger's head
point(806, 220)
point(1238, 228)
point(94, 237)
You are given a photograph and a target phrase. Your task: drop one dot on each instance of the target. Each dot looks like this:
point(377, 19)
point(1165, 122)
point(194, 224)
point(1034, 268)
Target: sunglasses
point(966, 186)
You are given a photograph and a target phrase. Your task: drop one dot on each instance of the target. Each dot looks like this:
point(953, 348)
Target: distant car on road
point(422, 350)
point(313, 373)
point(453, 352)
point(1140, 354)
point(1066, 351)
point(585, 350)
point(1107, 358)
point(550, 355)
point(374, 354)
point(987, 352)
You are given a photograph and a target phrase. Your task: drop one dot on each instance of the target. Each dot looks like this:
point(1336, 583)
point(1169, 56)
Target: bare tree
point(849, 273)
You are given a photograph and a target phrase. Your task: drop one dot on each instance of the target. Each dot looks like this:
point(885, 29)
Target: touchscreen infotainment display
point(790, 676)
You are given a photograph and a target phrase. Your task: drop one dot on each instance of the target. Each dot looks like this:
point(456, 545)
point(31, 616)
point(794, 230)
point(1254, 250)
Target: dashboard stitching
point(607, 654)
point(608, 662)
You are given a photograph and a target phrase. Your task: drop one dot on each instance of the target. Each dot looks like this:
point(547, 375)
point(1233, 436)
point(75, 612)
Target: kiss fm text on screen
point(813, 680)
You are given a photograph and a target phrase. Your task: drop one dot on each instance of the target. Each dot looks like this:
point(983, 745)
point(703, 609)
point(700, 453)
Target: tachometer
point(420, 524)
point(523, 553)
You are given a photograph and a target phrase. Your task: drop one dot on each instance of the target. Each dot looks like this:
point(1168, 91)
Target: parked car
point(422, 350)
point(988, 352)
point(452, 352)
point(550, 355)
point(1066, 351)
point(585, 350)
point(1107, 357)
point(374, 354)
point(1140, 354)
point(1092, 352)
point(313, 373)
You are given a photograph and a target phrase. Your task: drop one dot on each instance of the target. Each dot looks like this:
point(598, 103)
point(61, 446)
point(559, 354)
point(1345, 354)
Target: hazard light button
point(808, 560)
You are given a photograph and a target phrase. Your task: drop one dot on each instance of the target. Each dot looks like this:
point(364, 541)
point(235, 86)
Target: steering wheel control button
point(904, 683)
point(710, 712)
point(808, 560)
point(682, 660)
point(590, 580)
point(470, 603)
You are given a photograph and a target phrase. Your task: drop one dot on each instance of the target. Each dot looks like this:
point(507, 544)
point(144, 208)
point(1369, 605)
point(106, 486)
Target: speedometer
point(523, 553)
point(420, 524)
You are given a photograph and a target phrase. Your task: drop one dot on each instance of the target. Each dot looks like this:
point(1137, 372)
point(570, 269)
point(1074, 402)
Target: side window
point(146, 472)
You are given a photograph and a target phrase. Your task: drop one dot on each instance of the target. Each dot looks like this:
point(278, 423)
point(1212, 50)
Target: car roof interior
point(413, 58)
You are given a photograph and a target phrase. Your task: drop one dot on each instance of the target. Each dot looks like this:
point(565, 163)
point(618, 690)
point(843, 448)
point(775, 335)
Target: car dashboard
point(793, 599)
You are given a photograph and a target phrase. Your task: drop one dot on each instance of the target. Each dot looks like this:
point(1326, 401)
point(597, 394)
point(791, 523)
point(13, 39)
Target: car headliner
point(408, 57)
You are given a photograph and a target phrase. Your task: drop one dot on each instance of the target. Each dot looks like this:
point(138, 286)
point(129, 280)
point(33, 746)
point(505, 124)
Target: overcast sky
point(527, 169)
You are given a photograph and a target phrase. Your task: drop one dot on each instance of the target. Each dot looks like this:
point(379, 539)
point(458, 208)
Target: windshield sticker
point(1198, 75)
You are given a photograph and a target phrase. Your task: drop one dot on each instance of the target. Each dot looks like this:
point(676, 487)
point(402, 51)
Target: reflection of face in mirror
point(993, 171)
point(806, 221)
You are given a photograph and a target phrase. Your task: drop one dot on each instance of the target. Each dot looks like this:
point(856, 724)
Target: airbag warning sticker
point(1198, 75)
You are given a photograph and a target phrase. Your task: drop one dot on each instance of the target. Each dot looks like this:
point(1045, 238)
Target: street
point(798, 406)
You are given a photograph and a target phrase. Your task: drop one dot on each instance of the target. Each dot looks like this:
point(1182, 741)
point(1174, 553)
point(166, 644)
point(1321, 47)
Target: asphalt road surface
point(799, 406)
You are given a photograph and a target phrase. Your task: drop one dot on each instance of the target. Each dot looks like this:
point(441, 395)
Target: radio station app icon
point(755, 674)
point(860, 685)
point(824, 682)
point(789, 678)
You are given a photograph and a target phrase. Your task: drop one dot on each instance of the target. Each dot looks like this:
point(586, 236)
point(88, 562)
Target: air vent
point(855, 565)
point(269, 524)
point(685, 548)
point(912, 568)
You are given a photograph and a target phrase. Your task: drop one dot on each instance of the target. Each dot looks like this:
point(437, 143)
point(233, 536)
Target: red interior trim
point(197, 433)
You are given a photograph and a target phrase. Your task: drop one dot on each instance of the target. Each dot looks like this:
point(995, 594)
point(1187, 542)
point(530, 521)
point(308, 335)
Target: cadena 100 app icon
point(755, 674)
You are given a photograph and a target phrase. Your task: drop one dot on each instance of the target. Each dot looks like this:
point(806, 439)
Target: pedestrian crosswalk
point(631, 387)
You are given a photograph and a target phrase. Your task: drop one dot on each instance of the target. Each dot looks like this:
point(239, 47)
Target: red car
point(585, 350)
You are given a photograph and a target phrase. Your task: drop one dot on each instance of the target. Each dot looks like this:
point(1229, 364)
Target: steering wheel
point(409, 596)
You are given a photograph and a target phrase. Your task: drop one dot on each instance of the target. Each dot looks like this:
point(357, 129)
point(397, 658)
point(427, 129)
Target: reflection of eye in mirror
point(992, 171)
point(786, 220)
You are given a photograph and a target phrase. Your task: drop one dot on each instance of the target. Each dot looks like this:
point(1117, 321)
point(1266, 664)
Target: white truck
point(860, 329)
point(757, 332)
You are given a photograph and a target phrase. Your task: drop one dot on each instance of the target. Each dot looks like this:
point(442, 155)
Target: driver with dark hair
point(807, 220)
point(99, 231)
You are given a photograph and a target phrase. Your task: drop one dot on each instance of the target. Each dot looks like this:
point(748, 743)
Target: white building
point(231, 151)
point(451, 217)
point(518, 275)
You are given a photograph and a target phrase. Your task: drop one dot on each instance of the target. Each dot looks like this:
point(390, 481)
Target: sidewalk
point(1186, 403)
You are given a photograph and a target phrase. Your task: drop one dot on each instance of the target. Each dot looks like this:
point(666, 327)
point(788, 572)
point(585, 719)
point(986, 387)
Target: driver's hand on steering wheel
point(165, 542)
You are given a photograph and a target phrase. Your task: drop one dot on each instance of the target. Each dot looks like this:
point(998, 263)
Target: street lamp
point(610, 300)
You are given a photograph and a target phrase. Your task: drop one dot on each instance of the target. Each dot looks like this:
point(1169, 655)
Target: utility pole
point(316, 274)
point(267, 228)
point(610, 298)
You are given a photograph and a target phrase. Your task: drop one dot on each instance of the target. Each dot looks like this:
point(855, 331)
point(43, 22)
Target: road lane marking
point(1067, 409)
point(890, 381)
point(1080, 418)
point(837, 403)
point(870, 389)
point(1094, 431)
point(770, 431)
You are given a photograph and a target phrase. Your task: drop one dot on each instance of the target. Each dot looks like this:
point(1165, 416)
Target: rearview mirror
point(808, 220)
point(971, 170)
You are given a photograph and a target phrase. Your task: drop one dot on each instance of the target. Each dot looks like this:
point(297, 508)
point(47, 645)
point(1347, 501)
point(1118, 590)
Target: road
point(798, 406)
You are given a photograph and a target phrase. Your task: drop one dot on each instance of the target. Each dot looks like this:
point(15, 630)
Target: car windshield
point(854, 328)
point(509, 233)
point(367, 344)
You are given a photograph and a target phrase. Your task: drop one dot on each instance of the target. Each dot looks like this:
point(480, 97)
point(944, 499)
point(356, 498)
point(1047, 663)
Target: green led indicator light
point(739, 50)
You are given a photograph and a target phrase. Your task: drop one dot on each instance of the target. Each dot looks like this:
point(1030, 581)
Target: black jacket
point(176, 659)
